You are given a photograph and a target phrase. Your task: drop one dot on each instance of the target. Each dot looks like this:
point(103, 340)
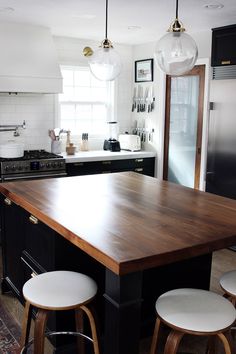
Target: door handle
point(210, 176)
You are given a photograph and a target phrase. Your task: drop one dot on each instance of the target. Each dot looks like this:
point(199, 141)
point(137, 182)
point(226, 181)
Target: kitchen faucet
point(13, 127)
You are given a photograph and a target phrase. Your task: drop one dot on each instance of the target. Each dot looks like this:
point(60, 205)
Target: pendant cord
point(177, 7)
point(106, 18)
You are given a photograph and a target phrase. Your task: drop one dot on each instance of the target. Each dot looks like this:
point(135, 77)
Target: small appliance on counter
point(112, 144)
point(130, 142)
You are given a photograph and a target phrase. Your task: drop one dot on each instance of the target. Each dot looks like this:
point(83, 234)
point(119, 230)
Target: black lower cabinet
point(143, 166)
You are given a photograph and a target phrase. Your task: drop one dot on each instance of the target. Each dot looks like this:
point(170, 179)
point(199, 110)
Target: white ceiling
point(86, 18)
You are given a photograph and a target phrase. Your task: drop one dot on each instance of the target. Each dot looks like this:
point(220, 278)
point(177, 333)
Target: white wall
point(40, 110)
point(155, 120)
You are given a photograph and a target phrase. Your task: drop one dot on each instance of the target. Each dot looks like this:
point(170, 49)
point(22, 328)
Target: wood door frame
point(198, 70)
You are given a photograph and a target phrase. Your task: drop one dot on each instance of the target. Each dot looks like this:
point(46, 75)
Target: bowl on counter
point(11, 150)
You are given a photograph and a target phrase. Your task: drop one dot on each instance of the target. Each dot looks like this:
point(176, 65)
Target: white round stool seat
point(195, 310)
point(59, 290)
point(228, 282)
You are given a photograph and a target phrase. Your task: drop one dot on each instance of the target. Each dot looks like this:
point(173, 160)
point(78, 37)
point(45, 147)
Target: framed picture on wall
point(144, 70)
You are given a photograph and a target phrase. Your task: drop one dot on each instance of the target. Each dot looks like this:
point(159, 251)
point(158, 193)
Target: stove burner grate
point(33, 155)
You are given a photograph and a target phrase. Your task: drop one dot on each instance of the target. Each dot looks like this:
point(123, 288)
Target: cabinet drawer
point(30, 266)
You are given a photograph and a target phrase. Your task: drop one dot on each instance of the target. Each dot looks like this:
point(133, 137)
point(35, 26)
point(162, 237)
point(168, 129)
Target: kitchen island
point(144, 236)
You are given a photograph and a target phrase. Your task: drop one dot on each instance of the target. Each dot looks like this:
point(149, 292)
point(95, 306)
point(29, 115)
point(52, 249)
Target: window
point(86, 103)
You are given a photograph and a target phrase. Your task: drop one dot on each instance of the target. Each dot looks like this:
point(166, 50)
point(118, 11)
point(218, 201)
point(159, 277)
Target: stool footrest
point(51, 334)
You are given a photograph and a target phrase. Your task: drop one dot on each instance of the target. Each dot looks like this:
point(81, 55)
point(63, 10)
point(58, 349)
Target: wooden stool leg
point(79, 323)
point(39, 331)
point(172, 342)
point(94, 326)
point(155, 336)
point(226, 341)
point(211, 345)
point(26, 324)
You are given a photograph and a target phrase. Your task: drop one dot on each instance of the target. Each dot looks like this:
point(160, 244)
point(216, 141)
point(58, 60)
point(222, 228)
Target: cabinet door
point(223, 46)
point(39, 244)
point(12, 246)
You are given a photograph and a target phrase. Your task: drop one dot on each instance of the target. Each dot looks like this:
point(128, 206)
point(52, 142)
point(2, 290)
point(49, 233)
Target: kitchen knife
point(149, 99)
point(153, 100)
point(138, 98)
point(141, 99)
point(134, 100)
point(145, 99)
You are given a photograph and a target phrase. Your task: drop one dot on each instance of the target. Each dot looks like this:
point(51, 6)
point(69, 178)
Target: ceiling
point(130, 21)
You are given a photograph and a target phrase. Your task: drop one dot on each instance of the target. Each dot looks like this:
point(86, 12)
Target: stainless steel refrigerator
point(221, 156)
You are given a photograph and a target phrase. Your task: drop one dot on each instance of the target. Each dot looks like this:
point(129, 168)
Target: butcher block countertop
point(127, 221)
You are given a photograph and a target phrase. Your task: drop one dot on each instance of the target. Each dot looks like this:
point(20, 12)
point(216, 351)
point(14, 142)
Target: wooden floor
point(223, 261)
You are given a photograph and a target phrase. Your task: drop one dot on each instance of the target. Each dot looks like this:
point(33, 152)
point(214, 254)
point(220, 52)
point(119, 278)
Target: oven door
point(31, 176)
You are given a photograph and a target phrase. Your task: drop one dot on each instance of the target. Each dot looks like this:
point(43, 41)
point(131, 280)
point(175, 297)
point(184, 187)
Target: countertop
point(127, 221)
point(98, 155)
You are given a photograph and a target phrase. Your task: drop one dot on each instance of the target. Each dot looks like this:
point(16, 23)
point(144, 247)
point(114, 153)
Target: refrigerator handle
point(210, 176)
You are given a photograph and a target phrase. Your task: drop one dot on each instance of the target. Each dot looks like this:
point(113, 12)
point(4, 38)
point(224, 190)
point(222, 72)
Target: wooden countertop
point(129, 221)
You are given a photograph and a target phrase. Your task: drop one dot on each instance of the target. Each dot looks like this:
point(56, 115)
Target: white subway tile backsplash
point(38, 112)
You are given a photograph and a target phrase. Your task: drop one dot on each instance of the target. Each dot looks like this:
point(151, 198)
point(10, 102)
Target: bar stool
point(57, 291)
point(193, 311)
point(228, 284)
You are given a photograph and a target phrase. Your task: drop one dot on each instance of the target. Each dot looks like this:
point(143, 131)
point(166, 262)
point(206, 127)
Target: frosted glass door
point(183, 129)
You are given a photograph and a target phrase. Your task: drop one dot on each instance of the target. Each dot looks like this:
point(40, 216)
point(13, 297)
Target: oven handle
point(34, 176)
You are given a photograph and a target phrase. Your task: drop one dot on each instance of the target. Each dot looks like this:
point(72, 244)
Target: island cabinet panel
point(12, 246)
point(140, 165)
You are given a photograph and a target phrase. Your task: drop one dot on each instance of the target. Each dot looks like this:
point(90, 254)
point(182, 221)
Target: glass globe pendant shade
point(176, 53)
point(105, 64)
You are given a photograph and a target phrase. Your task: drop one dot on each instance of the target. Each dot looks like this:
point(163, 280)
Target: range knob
point(20, 168)
point(13, 167)
point(6, 168)
point(48, 165)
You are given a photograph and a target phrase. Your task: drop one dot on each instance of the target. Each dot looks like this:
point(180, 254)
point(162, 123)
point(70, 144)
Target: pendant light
point(176, 52)
point(105, 63)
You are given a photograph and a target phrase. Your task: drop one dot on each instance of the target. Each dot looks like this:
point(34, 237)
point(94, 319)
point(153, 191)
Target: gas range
point(34, 164)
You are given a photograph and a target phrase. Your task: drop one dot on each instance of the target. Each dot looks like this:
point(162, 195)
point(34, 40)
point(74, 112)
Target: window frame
point(111, 106)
